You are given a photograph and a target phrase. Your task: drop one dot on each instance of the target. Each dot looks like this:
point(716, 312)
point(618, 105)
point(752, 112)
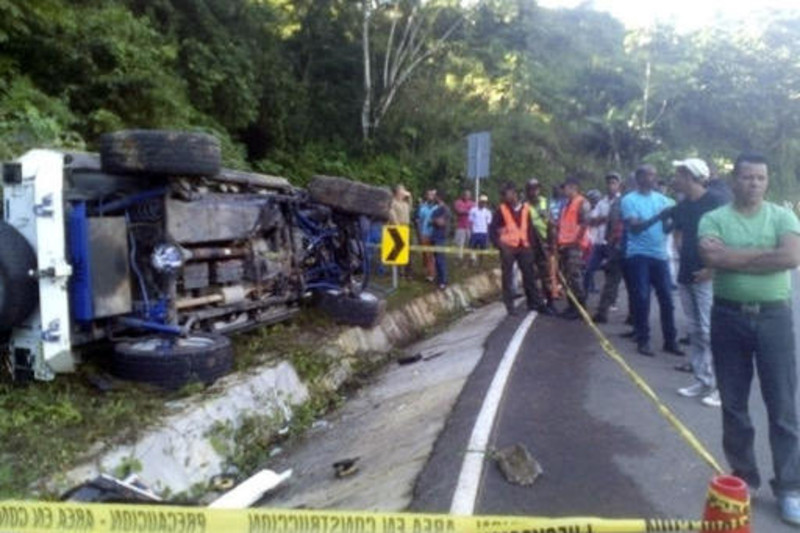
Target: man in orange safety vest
point(513, 234)
point(573, 242)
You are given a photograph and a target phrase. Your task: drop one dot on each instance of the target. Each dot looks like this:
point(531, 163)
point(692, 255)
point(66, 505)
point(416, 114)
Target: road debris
point(518, 466)
point(417, 357)
point(222, 482)
point(251, 490)
point(105, 488)
point(346, 467)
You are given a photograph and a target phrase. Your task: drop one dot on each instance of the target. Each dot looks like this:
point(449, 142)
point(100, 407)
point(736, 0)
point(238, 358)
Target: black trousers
point(524, 259)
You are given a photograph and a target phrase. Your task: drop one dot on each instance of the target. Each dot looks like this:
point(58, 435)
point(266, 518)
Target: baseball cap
point(483, 198)
point(696, 167)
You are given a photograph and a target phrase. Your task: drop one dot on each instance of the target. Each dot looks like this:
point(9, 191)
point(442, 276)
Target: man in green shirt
point(753, 245)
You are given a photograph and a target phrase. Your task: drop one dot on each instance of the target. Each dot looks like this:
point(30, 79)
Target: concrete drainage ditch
point(186, 448)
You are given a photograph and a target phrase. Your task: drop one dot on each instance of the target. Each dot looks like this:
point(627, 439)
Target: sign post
point(479, 156)
point(395, 251)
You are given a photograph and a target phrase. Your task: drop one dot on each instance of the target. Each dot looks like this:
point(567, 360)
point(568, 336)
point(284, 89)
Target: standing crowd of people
point(734, 255)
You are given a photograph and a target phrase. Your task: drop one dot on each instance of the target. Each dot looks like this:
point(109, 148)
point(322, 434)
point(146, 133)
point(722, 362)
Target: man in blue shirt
point(646, 259)
point(425, 230)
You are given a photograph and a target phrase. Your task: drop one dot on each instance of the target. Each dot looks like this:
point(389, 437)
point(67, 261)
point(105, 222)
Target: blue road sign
point(479, 155)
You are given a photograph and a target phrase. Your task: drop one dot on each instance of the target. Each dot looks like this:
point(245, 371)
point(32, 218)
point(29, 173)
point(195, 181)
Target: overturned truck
point(153, 246)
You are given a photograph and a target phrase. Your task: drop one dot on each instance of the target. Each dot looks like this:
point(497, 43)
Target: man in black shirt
point(694, 279)
point(440, 219)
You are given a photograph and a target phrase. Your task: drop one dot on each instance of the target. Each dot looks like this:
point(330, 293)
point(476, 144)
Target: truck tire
point(19, 291)
point(171, 363)
point(364, 310)
point(351, 196)
point(160, 152)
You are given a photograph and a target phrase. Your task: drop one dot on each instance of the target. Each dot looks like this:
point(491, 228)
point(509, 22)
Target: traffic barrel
point(728, 501)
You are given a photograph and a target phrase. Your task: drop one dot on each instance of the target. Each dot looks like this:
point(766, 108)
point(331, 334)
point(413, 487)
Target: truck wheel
point(160, 152)
point(351, 196)
point(171, 363)
point(365, 310)
point(19, 292)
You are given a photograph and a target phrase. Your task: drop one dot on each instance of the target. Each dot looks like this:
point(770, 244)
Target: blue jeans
point(440, 260)
point(765, 340)
point(479, 241)
point(374, 237)
point(697, 299)
point(645, 272)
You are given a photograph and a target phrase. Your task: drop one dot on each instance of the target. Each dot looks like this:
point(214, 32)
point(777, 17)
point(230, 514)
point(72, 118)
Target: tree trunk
point(366, 108)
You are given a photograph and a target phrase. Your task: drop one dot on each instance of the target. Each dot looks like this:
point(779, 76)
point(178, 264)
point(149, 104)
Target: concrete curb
point(178, 455)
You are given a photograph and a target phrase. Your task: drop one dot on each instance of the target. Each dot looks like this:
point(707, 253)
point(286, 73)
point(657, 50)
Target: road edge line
point(469, 477)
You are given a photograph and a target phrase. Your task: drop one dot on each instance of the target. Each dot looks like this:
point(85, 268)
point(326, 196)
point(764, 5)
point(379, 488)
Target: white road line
point(472, 468)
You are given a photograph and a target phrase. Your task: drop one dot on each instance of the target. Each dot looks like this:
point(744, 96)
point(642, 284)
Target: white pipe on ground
point(250, 490)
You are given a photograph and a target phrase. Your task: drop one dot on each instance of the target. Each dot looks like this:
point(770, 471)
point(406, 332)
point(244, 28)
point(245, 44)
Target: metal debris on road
point(417, 357)
point(346, 467)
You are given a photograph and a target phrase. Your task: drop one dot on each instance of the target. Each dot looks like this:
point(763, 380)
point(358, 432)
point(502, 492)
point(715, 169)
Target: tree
point(412, 38)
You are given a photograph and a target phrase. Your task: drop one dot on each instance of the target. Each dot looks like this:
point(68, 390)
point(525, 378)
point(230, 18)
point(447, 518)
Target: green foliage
point(280, 82)
point(128, 466)
point(30, 118)
point(44, 428)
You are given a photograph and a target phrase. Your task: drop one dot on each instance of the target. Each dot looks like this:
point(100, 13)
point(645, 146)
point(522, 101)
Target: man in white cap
point(694, 278)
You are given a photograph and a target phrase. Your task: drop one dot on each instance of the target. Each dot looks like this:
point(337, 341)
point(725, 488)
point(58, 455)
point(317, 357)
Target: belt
point(751, 308)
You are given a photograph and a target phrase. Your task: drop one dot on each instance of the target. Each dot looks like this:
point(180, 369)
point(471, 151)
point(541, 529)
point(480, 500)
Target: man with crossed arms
point(753, 245)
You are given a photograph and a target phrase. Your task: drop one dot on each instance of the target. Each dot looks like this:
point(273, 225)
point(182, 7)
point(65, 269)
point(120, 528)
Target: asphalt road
point(605, 449)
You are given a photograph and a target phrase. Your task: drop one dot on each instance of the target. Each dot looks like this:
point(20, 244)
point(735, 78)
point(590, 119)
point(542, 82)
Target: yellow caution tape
point(451, 250)
point(424, 248)
point(42, 517)
point(726, 504)
point(665, 411)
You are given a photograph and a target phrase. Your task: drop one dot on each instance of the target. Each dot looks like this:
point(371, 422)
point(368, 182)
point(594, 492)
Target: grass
point(416, 286)
point(46, 427)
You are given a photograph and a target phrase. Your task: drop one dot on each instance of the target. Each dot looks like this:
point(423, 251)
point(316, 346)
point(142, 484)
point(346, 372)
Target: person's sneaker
point(613, 308)
point(693, 391)
point(644, 349)
point(628, 335)
point(712, 399)
point(789, 504)
point(674, 350)
point(686, 341)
